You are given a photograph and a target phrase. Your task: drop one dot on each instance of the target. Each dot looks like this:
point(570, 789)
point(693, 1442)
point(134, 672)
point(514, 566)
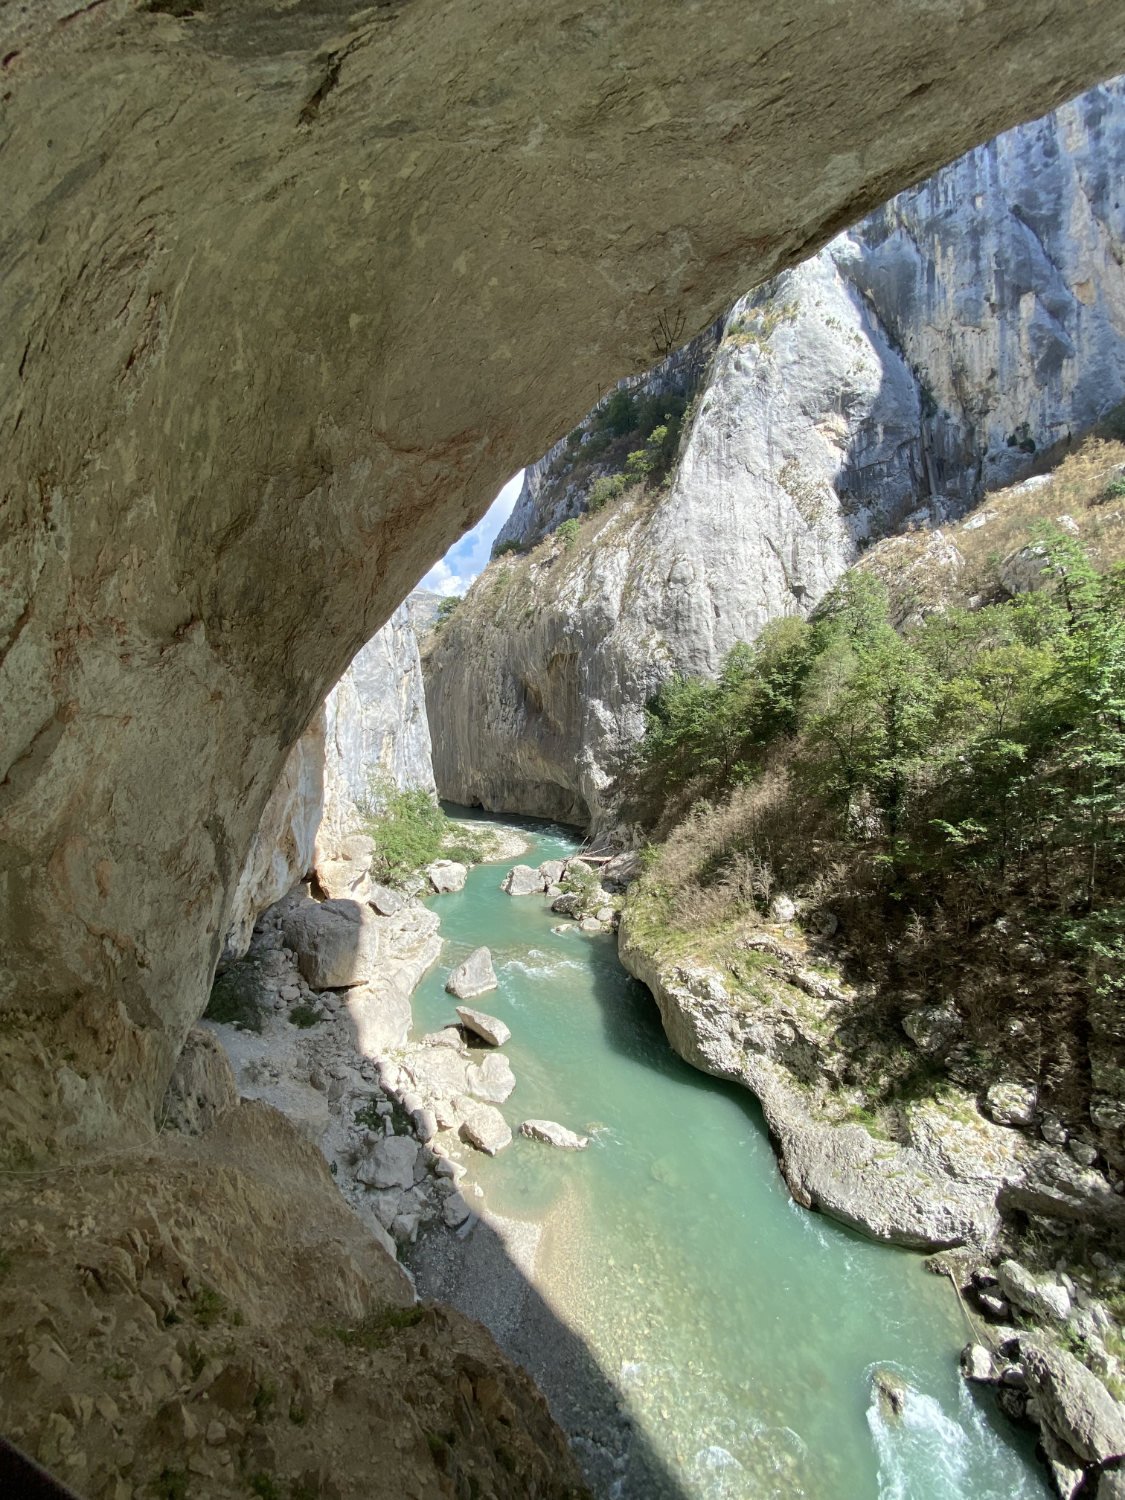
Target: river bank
point(695, 1333)
point(739, 1338)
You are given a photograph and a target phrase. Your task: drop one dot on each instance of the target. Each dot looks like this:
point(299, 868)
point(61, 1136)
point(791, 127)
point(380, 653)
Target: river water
point(739, 1331)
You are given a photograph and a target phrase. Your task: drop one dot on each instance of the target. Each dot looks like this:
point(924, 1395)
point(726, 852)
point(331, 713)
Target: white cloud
point(467, 558)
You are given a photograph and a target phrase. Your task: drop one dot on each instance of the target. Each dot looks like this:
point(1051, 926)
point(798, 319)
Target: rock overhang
point(289, 292)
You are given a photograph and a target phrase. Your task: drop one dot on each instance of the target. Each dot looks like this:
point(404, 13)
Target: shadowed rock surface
point(288, 295)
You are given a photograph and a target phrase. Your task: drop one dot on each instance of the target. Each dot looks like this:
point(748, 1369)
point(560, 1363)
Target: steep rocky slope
point(206, 1317)
point(938, 348)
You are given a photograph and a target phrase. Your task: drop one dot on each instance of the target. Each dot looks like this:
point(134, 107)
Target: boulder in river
point(447, 875)
point(977, 1364)
point(890, 1391)
point(493, 1080)
point(522, 880)
point(551, 871)
point(554, 1134)
point(475, 976)
point(482, 1125)
point(489, 1028)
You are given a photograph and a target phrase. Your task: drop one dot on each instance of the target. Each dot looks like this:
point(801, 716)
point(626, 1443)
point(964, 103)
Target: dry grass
point(965, 564)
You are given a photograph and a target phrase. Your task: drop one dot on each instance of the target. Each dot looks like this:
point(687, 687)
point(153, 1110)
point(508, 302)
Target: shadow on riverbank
point(480, 1274)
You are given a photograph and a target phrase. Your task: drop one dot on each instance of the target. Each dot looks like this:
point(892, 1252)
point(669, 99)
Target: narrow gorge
point(688, 644)
point(650, 1028)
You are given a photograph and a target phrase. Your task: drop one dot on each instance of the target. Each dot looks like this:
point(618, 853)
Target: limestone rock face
point(283, 846)
point(202, 1086)
point(927, 353)
point(376, 727)
point(283, 298)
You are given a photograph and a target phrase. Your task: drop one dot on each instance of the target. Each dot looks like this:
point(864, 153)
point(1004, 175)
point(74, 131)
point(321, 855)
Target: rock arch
point(287, 293)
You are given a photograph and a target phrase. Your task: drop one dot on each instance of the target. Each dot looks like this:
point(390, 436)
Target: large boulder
point(474, 976)
point(1012, 1103)
point(447, 875)
point(490, 1029)
point(381, 1014)
point(343, 866)
point(492, 1079)
point(482, 1126)
point(522, 880)
point(389, 1162)
point(337, 943)
point(1040, 1296)
point(384, 900)
point(1073, 1401)
point(932, 1028)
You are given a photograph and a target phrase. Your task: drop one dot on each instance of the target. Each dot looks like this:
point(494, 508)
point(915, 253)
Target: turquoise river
point(736, 1332)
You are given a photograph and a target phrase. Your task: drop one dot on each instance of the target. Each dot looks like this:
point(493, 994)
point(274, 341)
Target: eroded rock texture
point(931, 352)
point(288, 293)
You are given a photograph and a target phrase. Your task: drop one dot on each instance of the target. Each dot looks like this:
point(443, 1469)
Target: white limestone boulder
point(475, 976)
point(490, 1029)
point(522, 880)
point(551, 1133)
point(337, 943)
point(482, 1125)
point(447, 875)
point(491, 1080)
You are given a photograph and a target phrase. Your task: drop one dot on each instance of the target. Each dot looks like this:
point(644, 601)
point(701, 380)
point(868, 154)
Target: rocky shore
point(1039, 1222)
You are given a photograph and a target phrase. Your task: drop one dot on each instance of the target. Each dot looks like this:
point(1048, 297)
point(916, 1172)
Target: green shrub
point(604, 489)
point(408, 829)
point(1115, 489)
point(304, 1016)
point(238, 996)
point(568, 533)
point(511, 545)
point(446, 607)
point(378, 1327)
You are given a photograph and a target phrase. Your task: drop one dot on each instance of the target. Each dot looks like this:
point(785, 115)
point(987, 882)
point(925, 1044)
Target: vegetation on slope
point(952, 792)
point(410, 831)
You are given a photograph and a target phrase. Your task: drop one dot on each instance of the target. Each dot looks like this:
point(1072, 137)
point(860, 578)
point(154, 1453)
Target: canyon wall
point(371, 733)
point(939, 347)
point(289, 292)
point(377, 732)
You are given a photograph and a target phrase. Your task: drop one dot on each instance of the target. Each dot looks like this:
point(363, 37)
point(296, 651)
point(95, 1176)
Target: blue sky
point(466, 558)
